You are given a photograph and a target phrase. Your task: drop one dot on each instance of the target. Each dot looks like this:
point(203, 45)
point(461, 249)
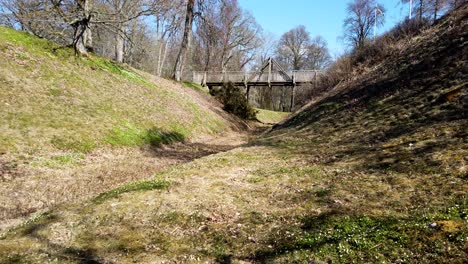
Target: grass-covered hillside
point(52, 101)
point(73, 127)
point(373, 172)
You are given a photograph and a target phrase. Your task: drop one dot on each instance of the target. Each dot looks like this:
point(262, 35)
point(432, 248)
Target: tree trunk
point(421, 7)
point(119, 45)
point(82, 39)
point(88, 35)
point(180, 61)
point(79, 44)
point(208, 58)
point(161, 66)
point(158, 63)
point(282, 102)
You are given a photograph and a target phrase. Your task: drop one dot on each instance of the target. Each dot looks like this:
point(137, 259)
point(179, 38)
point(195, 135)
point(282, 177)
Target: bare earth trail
point(28, 189)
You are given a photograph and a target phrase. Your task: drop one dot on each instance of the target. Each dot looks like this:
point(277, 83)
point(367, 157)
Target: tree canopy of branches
point(362, 16)
point(296, 50)
point(227, 36)
point(431, 9)
point(72, 21)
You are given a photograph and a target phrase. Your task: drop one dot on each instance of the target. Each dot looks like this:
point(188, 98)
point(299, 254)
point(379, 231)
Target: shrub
point(408, 28)
point(234, 101)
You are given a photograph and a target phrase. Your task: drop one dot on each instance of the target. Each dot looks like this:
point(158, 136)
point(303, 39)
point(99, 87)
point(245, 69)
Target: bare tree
point(62, 20)
point(296, 50)
point(292, 47)
point(179, 64)
point(267, 48)
point(226, 37)
point(208, 35)
point(115, 16)
point(432, 9)
point(78, 15)
point(318, 56)
point(40, 18)
point(360, 21)
point(239, 33)
point(168, 18)
point(421, 8)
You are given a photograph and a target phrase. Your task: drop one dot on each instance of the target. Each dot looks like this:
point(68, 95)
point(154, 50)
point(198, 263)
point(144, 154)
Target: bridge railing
point(253, 77)
point(306, 76)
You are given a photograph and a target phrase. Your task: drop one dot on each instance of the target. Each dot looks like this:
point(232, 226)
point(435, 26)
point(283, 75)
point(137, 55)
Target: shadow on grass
point(132, 135)
point(187, 151)
point(54, 250)
point(157, 137)
point(405, 134)
point(340, 236)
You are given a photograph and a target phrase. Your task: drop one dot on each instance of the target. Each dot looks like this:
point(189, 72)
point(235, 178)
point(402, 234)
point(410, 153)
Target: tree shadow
point(187, 151)
point(54, 250)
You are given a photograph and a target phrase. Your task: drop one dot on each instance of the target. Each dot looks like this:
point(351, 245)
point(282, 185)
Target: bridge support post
point(293, 90)
point(292, 97)
point(248, 92)
point(315, 79)
point(204, 79)
point(270, 66)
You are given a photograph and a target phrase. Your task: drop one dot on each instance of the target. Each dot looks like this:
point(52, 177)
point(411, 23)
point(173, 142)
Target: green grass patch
point(33, 44)
point(270, 117)
point(347, 239)
point(60, 161)
point(197, 87)
point(22, 56)
point(130, 135)
point(117, 69)
point(83, 144)
point(68, 158)
point(133, 187)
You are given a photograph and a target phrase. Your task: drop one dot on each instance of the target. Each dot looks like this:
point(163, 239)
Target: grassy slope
point(50, 100)
point(356, 177)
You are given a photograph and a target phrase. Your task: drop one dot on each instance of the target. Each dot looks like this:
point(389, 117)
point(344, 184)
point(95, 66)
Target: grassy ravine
point(374, 173)
point(52, 101)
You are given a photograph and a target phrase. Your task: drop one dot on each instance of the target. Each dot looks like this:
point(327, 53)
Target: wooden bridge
point(271, 74)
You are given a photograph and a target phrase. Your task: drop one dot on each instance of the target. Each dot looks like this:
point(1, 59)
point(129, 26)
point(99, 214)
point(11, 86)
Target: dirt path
point(26, 189)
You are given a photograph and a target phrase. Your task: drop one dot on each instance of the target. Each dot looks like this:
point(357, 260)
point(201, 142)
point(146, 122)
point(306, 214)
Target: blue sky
point(320, 17)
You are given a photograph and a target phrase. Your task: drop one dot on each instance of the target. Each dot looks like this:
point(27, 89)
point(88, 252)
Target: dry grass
point(62, 178)
point(234, 206)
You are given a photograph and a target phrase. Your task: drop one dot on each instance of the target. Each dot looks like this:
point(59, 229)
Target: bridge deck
point(270, 74)
point(292, 78)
